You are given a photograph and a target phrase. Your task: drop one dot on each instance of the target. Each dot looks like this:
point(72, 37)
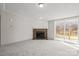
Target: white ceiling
point(49, 12)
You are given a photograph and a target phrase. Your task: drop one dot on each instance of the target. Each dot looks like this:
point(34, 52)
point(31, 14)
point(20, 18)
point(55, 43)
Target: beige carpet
point(38, 48)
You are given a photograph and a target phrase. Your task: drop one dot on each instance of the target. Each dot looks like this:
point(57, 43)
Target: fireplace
point(39, 33)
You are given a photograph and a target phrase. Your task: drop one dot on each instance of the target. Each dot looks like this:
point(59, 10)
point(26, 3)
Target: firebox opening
point(40, 35)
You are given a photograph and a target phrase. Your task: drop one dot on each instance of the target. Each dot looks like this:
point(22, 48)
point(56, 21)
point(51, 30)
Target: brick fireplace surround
point(39, 34)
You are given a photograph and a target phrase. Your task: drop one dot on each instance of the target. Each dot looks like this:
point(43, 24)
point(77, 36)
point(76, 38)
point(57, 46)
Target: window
point(67, 29)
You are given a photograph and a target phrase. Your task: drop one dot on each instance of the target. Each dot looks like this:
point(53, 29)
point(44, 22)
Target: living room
point(27, 25)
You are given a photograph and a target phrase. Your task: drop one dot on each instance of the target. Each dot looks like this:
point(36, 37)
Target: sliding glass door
point(71, 30)
point(67, 29)
point(59, 30)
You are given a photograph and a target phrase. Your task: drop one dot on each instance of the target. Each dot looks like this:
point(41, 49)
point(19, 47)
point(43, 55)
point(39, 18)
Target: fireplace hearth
point(39, 33)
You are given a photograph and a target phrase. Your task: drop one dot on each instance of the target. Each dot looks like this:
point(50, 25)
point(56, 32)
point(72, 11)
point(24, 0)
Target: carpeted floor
point(38, 48)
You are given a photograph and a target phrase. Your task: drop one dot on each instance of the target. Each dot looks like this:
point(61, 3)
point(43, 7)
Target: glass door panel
point(71, 30)
point(59, 30)
point(67, 29)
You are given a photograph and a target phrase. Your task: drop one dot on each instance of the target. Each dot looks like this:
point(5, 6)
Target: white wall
point(18, 29)
point(0, 29)
point(40, 24)
point(0, 24)
point(51, 30)
point(15, 27)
